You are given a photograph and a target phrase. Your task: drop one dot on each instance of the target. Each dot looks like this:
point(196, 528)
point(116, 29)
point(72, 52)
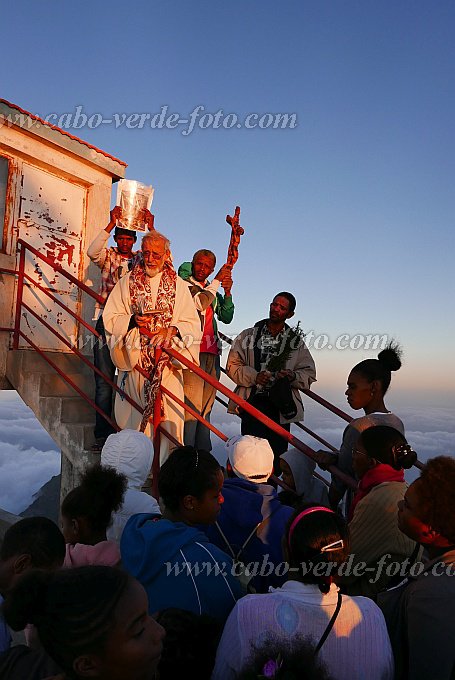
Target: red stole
point(378, 475)
point(165, 301)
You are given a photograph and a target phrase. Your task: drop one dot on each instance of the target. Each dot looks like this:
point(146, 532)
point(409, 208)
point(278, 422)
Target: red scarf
point(165, 300)
point(378, 475)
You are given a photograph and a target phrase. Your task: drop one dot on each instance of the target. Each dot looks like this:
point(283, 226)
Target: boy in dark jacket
point(252, 520)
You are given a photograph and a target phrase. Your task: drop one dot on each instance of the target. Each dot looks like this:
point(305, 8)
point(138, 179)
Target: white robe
point(125, 353)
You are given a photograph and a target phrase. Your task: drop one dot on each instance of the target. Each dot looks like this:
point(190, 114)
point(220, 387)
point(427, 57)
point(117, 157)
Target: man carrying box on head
point(114, 263)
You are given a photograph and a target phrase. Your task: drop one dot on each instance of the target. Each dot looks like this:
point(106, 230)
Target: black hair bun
point(391, 356)
point(404, 457)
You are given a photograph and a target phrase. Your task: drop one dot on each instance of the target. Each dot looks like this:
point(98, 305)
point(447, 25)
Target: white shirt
point(358, 646)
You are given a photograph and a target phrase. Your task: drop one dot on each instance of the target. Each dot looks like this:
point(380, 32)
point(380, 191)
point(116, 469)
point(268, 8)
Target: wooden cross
point(236, 233)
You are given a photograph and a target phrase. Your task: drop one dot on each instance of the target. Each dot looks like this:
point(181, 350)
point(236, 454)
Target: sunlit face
point(154, 254)
point(279, 309)
point(202, 266)
point(134, 647)
point(125, 243)
point(286, 473)
point(207, 507)
point(359, 391)
point(409, 521)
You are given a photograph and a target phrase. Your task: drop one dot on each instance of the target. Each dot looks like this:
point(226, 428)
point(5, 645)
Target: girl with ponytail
point(379, 458)
point(348, 635)
point(367, 386)
point(87, 513)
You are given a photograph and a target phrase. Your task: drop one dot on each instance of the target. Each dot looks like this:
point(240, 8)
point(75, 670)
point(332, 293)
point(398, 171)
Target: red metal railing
point(158, 430)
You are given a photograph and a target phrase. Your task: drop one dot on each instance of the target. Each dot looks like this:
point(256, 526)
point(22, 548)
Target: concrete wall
point(70, 161)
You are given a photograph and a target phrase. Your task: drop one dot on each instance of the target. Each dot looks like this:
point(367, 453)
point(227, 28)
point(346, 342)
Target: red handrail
point(272, 425)
point(63, 306)
point(309, 393)
point(20, 288)
point(321, 440)
point(158, 430)
point(327, 405)
point(156, 435)
point(84, 359)
point(59, 269)
point(68, 380)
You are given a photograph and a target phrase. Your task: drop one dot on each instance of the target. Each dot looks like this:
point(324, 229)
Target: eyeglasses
point(356, 451)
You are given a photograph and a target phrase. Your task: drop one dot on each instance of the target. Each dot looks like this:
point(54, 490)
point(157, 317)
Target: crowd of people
point(196, 586)
point(228, 575)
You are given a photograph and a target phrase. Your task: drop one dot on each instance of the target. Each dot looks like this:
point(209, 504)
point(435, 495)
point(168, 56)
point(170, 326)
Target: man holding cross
point(210, 305)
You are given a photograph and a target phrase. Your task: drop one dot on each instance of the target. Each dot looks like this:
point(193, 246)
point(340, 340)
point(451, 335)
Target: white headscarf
point(302, 467)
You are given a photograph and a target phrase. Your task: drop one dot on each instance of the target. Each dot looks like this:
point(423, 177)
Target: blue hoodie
point(178, 567)
point(246, 504)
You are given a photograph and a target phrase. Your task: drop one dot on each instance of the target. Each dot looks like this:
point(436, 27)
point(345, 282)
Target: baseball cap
point(251, 457)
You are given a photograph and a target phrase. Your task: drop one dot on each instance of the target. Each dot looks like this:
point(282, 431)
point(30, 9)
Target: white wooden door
point(51, 218)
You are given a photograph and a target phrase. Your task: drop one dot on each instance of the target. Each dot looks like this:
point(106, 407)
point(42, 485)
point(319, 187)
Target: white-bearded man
point(151, 297)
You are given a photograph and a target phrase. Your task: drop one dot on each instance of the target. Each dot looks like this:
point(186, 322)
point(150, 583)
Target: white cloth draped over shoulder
point(126, 352)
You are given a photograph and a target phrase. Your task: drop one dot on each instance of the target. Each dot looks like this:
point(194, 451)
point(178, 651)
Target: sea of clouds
point(29, 457)
point(429, 430)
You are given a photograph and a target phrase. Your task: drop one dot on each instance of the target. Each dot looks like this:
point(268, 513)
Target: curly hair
point(296, 660)
point(99, 495)
point(437, 494)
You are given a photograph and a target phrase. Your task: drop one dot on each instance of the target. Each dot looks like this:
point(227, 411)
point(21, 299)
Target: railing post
point(156, 434)
point(20, 288)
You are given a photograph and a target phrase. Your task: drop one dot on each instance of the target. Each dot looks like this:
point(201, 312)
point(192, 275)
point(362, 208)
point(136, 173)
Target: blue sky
point(352, 210)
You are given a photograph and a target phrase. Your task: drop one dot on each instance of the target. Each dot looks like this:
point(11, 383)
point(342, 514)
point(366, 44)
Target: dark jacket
point(245, 506)
point(178, 567)
point(421, 622)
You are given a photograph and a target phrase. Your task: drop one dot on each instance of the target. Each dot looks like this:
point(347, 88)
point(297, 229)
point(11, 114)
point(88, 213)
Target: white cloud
point(430, 430)
point(28, 456)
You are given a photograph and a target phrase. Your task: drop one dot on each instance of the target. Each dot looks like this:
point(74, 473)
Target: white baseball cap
point(251, 457)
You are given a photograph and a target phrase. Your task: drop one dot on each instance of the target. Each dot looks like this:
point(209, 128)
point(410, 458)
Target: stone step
point(31, 362)
point(53, 385)
point(76, 410)
point(77, 437)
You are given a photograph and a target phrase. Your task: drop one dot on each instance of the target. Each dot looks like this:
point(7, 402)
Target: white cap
point(251, 457)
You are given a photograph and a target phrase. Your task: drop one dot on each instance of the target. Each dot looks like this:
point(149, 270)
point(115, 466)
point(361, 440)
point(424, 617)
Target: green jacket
point(223, 306)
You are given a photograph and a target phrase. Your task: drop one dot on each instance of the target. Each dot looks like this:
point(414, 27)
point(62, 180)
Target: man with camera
point(270, 363)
